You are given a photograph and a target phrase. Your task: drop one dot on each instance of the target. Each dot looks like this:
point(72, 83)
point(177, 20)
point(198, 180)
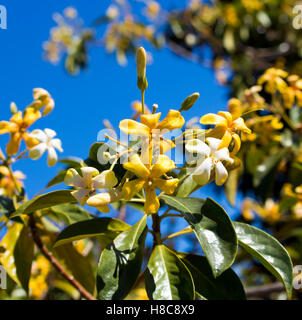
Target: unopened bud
point(141, 61)
point(13, 108)
point(189, 102)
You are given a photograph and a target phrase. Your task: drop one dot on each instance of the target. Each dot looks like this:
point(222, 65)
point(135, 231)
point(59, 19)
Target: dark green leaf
point(225, 287)
point(212, 227)
point(46, 200)
point(6, 206)
point(108, 228)
point(121, 262)
point(268, 251)
point(167, 277)
point(71, 213)
point(268, 167)
point(24, 255)
point(78, 265)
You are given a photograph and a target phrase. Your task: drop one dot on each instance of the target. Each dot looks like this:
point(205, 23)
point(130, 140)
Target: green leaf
point(78, 265)
point(71, 213)
point(213, 229)
point(269, 166)
point(46, 200)
point(225, 287)
point(7, 246)
point(24, 255)
point(186, 187)
point(71, 162)
point(167, 277)
point(108, 228)
point(59, 178)
point(268, 251)
point(121, 262)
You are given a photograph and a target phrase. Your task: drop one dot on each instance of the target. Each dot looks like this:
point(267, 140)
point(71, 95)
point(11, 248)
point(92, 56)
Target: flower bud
point(13, 108)
point(141, 60)
point(189, 102)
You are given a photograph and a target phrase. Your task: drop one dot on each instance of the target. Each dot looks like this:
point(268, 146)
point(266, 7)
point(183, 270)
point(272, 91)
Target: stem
point(156, 229)
point(55, 262)
point(143, 101)
point(264, 290)
point(179, 233)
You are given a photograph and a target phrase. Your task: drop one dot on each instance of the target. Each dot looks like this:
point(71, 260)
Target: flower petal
point(30, 116)
point(36, 152)
point(167, 186)
point(57, 144)
point(50, 133)
point(131, 188)
point(198, 146)
point(221, 173)
point(39, 135)
point(104, 198)
point(136, 166)
point(239, 124)
point(237, 144)
point(173, 120)
point(223, 154)
point(6, 127)
point(72, 178)
point(88, 173)
point(152, 203)
point(202, 173)
point(81, 195)
point(213, 143)
point(52, 157)
point(14, 143)
point(225, 140)
point(212, 118)
point(105, 179)
point(150, 120)
point(129, 126)
point(165, 145)
point(163, 164)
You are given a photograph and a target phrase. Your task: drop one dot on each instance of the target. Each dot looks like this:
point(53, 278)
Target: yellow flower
point(153, 9)
point(231, 16)
point(273, 79)
point(17, 127)
point(264, 128)
point(293, 91)
point(149, 180)
point(297, 193)
point(226, 127)
point(7, 183)
point(43, 99)
point(87, 184)
point(151, 128)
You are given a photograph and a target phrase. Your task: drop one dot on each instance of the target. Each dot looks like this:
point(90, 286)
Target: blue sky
point(105, 90)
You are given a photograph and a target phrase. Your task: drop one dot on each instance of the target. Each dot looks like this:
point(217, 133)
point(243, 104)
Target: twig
point(55, 262)
point(264, 290)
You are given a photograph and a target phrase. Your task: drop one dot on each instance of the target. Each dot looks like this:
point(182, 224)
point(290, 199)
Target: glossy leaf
point(268, 251)
point(212, 227)
point(46, 200)
point(6, 206)
point(225, 287)
point(71, 213)
point(7, 246)
point(186, 187)
point(167, 277)
point(78, 265)
point(121, 262)
point(24, 255)
point(108, 228)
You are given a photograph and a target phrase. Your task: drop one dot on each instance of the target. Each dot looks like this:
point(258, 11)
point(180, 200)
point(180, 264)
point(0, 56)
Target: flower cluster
point(149, 172)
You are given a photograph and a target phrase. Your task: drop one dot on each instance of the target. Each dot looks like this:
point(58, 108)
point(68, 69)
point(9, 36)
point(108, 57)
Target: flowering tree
point(140, 172)
point(256, 51)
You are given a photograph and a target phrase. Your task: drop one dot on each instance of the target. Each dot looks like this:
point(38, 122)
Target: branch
point(262, 291)
point(55, 262)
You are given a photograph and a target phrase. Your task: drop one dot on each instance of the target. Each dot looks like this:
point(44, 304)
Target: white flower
point(87, 183)
point(47, 143)
point(210, 158)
